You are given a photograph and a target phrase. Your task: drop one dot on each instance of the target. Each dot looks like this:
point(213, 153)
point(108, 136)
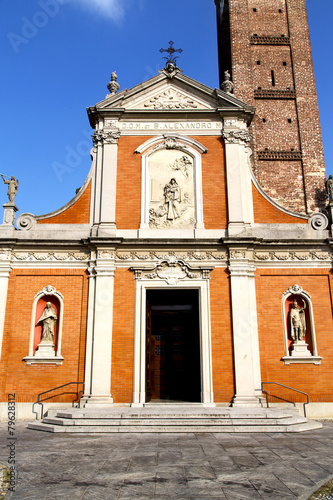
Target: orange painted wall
point(221, 327)
point(128, 203)
point(78, 213)
point(265, 212)
point(317, 380)
point(27, 381)
point(123, 337)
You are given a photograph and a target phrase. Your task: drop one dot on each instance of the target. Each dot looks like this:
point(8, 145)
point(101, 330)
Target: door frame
point(139, 376)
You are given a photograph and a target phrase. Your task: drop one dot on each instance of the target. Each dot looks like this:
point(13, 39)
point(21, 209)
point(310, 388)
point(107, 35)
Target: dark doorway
point(173, 350)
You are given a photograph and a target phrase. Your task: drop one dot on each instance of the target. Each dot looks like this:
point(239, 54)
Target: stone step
point(98, 429)
point(166, 419)
point(171, 421)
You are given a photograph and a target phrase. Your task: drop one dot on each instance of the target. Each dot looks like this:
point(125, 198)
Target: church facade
point(175, 273)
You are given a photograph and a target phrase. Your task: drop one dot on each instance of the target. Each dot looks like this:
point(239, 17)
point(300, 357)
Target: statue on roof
point(12, 188)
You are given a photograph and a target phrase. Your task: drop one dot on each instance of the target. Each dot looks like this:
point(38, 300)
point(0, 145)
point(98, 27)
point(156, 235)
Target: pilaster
point(5, 270)
point(245, 329)
point(99, 329)
point(106, 142)
point(239, 189)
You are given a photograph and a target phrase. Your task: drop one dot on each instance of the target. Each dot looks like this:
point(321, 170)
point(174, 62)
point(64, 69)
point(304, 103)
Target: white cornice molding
point(179, 141)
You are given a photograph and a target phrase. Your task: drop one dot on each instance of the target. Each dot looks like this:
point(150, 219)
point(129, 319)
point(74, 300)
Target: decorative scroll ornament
point(319, 221)
point(196, 256)
point(113, 86)
point(109, 137)
point(296, 290)
point(236, 136)
point(293, 256)
point(26, 221)
point(172, 271)
point(49, 290)
point(50, 256)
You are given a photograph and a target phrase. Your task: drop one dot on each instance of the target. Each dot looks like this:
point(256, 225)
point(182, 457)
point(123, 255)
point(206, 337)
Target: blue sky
point(57, 57)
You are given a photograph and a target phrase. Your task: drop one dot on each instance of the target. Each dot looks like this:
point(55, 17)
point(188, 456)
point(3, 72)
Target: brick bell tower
point(265, 46)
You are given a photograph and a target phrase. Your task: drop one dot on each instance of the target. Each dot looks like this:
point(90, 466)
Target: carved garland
point(172, 271)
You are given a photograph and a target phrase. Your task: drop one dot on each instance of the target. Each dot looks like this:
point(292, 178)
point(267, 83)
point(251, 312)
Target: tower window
point(284, 63)
point(254, 10)
point(289, 120)
point(273, 78)
point(264, 120)
point(280, 10)
point(258, 62)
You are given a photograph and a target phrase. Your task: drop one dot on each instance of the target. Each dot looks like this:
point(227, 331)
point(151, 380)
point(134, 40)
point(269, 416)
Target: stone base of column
point(101, 401)
point(246, 401)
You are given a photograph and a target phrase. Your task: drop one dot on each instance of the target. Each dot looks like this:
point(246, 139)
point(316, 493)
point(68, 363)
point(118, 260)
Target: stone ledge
point(269, 40)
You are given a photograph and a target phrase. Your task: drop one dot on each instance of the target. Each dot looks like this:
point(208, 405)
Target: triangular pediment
point(179, 93)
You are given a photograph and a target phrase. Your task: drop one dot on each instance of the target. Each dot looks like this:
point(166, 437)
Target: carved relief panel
point(171, 190)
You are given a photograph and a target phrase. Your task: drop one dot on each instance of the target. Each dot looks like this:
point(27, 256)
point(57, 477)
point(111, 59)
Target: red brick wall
point(128, 205)
point(78, 213)
point(317, 380)
point(265, 212)
point(262, 18)
point(123, 337)
point(27, 381)
point(222, 345)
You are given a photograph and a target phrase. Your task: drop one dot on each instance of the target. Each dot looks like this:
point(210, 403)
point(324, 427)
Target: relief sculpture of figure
point(297, 321)
point(12, 188)
point(48, 318)
point(329, 188)
point(172, 199)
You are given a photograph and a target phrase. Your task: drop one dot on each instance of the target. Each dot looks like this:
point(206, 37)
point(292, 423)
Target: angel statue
point(297, 321)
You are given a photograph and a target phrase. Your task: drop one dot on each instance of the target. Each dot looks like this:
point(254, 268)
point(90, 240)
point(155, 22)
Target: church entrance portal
point(173, 350)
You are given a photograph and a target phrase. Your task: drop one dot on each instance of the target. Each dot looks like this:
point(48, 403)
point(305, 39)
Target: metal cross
point(171, 58)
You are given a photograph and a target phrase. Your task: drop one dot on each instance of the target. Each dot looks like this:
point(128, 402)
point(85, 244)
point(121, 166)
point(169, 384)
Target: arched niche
point(171, 165)
point(46, 352)
point(300, 342)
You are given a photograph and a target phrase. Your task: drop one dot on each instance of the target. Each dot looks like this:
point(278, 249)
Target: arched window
point(46, 328)
point(298, 327)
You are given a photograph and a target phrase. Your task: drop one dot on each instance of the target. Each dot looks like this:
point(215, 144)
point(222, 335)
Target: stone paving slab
point(185, 466)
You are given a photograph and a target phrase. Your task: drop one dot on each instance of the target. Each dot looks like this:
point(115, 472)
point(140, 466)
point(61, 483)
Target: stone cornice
point(274, 94)
point(269, 40)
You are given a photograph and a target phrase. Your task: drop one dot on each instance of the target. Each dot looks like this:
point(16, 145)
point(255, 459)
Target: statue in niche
point(48, 318)
point(297, 321)
point(172, 199)
point(12, 188)
point(329, 189)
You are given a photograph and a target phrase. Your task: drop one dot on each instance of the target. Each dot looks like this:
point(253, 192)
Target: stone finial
point(113, 85)
point(227, 85)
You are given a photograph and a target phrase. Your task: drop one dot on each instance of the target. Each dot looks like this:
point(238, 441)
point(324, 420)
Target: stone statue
point(227, 85)
point(172, 199)
point(329, 188)
point(297, 321)
point(48, 318)
point(12, 188)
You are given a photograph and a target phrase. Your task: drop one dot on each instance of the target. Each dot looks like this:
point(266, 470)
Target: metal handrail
point(286, 387)
point(80, 393)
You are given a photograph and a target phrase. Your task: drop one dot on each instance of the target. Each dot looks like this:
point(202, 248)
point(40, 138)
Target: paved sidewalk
point(168, 466)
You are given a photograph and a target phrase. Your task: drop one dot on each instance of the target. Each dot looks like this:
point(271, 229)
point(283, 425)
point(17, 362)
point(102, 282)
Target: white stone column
point(5, 270)
point(106, 181)
point(238, 176)
point(245, 330)
point(99, 334)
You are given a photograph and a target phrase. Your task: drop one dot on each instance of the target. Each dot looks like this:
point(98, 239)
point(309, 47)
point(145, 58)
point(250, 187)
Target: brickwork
point(27, 381)
point(123, 337)
point(283, 64)
point(314, 379)
point(128, 206)
point(78, 213)
point(266, 213)
point(222, 346)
